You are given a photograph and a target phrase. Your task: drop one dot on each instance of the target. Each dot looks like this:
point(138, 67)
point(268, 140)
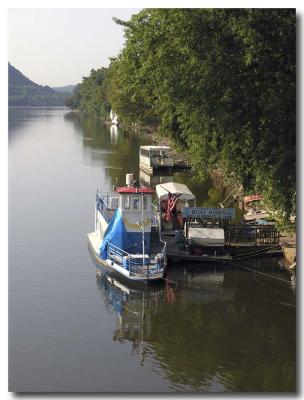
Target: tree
point(90, 97)
point(221, 82)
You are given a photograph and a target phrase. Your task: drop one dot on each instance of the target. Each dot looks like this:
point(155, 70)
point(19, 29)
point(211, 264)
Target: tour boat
point(126, 237)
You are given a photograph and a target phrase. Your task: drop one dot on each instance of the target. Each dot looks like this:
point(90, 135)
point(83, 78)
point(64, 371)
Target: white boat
point(114, 117)
point(189, 238)
point(152, 158)
point(126, 237)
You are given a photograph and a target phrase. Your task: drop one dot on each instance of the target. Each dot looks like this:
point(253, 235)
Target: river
point(213, 328)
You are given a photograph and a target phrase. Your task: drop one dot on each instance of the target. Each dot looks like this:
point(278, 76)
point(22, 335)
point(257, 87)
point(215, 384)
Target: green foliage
point(24, 92)
point(221, 82)
point(90, 97)
point(36, 96)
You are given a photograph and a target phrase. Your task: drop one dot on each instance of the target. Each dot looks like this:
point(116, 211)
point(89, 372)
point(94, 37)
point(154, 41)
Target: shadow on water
point(212, 329)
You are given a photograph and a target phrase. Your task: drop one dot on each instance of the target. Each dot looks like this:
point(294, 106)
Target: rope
point(254, 253)
point(263, 273)
point(235, 189)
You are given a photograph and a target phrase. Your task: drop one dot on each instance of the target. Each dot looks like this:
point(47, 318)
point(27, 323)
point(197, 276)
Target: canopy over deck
point(178, 189)
point(207, 236)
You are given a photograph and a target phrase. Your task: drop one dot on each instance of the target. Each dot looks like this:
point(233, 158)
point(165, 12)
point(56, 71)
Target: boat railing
point(137, 265)
point(154, 207)
point(164, 250)
point(103, 207)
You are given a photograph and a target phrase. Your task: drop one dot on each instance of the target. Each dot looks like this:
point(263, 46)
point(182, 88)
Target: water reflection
point(23, 119)
point(108, 146)
point(155, 179)
point(216, 330)
point(114, 133)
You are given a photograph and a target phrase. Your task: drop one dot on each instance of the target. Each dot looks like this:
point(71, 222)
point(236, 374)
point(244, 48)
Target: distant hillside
point(24, 92)
point(65, 89)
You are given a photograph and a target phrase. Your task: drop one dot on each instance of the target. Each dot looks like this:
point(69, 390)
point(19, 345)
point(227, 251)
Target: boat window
point(136, 203)
point(126, 203)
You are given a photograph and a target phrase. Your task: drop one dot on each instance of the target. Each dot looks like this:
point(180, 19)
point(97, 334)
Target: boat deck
point(139, 275)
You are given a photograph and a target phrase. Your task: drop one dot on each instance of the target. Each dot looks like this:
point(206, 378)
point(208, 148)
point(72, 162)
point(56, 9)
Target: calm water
point(219, 329)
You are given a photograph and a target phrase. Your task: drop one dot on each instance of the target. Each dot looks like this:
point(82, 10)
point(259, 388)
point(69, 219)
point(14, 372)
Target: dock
point(241, 241)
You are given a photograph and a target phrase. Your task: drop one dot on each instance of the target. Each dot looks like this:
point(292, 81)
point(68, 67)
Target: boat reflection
point(133, 305)
point(200, 328)
point(113, 134)
point(155, 179)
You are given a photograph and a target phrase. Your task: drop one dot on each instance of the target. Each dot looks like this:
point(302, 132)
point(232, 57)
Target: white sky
point(57, 47)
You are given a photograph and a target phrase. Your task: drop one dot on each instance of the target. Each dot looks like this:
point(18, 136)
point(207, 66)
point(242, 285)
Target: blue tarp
point(117, 235)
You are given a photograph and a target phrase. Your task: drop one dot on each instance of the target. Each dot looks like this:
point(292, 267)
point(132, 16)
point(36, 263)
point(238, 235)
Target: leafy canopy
point(221, 82)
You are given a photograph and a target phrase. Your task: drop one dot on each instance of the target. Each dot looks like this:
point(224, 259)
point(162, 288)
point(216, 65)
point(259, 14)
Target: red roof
point(139, 190)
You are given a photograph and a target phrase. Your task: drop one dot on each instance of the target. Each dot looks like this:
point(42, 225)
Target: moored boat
point(155, 158)
point(126, 237)
point(191, 232)
point(114, 118)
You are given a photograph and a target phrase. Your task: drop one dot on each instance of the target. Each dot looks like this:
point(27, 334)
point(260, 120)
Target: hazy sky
point(57, 47)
